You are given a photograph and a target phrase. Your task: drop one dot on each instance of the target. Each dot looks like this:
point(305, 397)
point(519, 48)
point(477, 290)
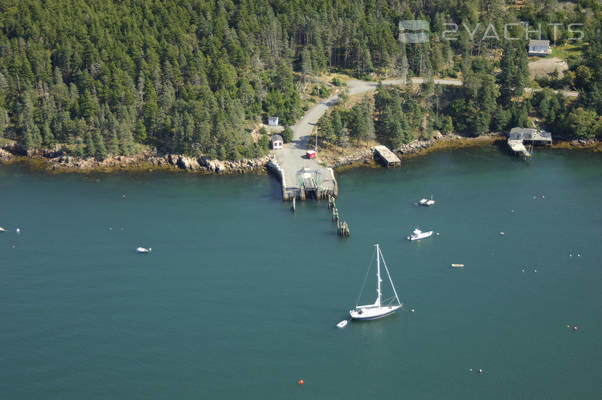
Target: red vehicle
point(311, 154)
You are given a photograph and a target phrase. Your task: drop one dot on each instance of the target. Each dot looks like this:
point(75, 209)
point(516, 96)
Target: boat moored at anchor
point(417, 234)
point(378, 309)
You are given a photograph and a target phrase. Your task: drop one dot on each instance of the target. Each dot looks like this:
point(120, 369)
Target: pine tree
point(90, 147)
point(4, 121)
point(114, 143)
point(47, 136)
point(100, 149)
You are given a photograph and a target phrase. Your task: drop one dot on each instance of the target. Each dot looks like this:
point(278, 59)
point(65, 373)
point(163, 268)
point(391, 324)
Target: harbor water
point(240, 298)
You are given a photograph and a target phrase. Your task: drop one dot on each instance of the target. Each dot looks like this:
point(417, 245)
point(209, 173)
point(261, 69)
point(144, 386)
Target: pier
point(518, 137)
point(386, 156)
point(303, 177)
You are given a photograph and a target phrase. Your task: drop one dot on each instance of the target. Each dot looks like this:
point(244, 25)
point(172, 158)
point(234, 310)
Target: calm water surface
point(239, 298)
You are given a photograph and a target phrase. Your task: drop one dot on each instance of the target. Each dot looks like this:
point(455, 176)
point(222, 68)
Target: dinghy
point(143, 250)
point(342, 324)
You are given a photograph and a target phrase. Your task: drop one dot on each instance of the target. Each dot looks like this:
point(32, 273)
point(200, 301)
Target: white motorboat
point(2, 229)
point(427, 202)
point(143, 250)
point(378, 309)
point(342, 324)
point(417, 234)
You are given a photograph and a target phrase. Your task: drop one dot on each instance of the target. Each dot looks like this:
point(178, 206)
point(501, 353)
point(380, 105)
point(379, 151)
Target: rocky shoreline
point(56, 161)
point(447, 142)
point(365, 156)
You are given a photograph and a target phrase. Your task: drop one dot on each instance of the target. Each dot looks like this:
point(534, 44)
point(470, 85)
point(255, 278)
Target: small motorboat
point(457, 265)
point(143, 250)
point(2, 229)
point(427, 202)
point(417, 234)
point(342, 324)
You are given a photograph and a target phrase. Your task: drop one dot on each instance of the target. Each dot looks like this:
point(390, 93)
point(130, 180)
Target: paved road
point(292, 157)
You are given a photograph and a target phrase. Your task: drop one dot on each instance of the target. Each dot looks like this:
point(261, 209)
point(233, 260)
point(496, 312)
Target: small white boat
point(144, 250)
point(417, 234)
point(377, 310)
point(457, 265)
point(427, 202)
point(342, 324)
point(2, 229)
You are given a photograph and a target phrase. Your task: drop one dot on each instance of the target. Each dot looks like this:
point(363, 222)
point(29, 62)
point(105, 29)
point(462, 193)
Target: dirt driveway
point(547, 65)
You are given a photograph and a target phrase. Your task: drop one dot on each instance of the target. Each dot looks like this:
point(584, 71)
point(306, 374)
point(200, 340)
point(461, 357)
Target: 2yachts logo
point(414, 31)
point(418, 31)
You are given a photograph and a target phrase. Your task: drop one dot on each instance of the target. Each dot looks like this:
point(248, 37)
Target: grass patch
point(568, 51)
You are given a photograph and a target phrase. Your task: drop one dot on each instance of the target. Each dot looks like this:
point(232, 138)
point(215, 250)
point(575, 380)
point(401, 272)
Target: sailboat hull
point(368, 314)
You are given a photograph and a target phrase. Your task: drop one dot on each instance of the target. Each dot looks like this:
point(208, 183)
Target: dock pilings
point(342, 226)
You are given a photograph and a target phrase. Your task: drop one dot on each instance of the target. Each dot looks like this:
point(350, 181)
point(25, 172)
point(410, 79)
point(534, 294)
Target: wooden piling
point(343, 229)
point(294, 206)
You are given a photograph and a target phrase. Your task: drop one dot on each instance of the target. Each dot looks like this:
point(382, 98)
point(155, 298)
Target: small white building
point(277, 142)
point(273, 121)
point(539, 48)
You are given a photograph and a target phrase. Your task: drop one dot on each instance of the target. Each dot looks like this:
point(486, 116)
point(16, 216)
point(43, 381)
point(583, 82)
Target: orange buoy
point(300, 382)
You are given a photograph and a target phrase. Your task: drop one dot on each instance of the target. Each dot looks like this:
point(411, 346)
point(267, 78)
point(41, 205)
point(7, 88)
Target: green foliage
point(287, 134)
point(189, 75)
point(398, 116)
point(514, 76)
point(360, 121)
point(584, 123)
point(446, 125)
point(337, 82)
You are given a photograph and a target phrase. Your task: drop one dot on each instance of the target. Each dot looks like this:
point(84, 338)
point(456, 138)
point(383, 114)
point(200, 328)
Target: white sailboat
point(378, 309)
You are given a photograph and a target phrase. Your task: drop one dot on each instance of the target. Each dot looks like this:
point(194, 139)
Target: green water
point(239, 298)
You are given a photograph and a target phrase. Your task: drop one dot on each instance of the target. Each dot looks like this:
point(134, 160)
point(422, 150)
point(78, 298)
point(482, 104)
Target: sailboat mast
point(378, 280)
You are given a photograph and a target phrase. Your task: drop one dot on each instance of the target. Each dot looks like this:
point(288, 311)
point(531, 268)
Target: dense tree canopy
point(190, 76)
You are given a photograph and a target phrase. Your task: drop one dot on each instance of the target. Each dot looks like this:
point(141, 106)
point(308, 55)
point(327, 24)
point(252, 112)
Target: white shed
point(277, 142)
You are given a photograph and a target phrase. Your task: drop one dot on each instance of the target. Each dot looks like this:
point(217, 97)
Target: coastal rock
point(188, 163)
point(212, 165)
point(57, 160)
point(5, 155)
point(173, 159)
point(219, 166)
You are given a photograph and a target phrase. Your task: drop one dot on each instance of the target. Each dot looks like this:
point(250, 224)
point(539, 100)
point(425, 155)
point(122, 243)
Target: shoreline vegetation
point(361, 156)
